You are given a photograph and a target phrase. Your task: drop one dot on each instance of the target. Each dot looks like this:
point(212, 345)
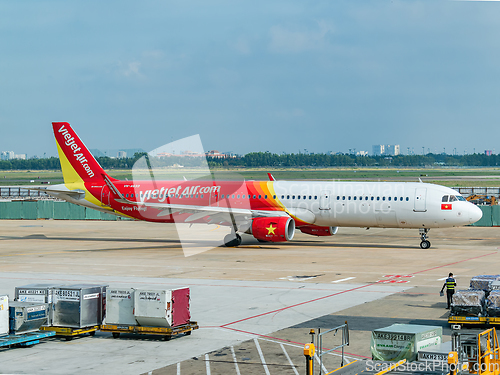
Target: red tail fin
point(77, 163)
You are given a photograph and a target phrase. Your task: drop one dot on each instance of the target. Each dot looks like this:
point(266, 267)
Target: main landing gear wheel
point(232, 240)
point(425, 244)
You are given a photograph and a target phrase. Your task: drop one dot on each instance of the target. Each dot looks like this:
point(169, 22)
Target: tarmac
point(255, 304)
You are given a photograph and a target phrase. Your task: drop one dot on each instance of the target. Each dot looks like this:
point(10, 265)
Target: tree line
point(267, 159)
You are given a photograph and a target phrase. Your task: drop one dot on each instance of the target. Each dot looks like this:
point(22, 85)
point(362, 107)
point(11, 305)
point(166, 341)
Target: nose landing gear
point(425, 244)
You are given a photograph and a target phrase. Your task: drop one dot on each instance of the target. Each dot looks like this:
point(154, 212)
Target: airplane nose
point(475, 213)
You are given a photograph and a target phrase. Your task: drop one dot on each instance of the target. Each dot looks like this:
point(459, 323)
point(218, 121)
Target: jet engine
point(273, 229)
point(314, 230)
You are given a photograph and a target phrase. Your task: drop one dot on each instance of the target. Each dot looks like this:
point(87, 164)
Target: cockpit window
point(453, 198)
point(445, 198)
point(460, 198)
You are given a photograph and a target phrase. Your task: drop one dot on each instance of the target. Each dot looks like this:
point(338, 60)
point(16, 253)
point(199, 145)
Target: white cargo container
point(162, 308)
point(38, 293)
point(120, 306)
point(4, 315)
point(27, 316)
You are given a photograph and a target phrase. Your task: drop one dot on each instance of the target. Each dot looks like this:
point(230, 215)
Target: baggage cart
point(69, 333)
point(463, 320)
point(166, 332)
point(25, 340)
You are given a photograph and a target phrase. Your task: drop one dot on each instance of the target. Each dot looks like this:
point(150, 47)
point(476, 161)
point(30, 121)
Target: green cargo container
point(404, 341)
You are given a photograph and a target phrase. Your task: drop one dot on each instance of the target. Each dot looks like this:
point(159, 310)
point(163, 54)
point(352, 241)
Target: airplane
point(271, 210)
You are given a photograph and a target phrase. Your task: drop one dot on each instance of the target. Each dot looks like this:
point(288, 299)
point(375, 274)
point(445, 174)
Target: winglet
point(271, 177)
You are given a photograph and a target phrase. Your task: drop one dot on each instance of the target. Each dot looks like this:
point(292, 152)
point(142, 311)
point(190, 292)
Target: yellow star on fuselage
point(271, 229)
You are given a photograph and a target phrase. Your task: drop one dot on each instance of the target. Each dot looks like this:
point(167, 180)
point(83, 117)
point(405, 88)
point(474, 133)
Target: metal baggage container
point(4, 315)
point(120, 306)
point(26, 317)
point(38, 293)
point(78, 306)
point(162, 308)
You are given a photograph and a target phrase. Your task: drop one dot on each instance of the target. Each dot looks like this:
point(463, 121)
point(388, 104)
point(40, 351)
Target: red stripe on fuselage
point(226, 194)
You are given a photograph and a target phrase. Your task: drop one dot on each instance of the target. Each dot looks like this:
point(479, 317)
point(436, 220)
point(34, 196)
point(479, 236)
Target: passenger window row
point(395, 199)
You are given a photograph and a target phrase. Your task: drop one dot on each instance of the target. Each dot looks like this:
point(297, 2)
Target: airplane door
point(324, 200)
point(105, 196)
point(214, 199)
point(420, 202)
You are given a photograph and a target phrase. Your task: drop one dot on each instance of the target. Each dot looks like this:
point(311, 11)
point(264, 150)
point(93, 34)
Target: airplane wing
point(215, 214)
point(198, 212)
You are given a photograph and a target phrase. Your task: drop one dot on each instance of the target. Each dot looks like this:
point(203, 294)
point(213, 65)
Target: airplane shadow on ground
point(177, 243)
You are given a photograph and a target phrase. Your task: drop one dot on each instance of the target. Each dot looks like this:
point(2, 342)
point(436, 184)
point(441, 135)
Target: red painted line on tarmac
point(346, 291)
point(297, 304)
point(457, 262)
point(292, 342)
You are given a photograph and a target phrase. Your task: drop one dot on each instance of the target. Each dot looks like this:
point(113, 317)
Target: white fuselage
point(375, 204)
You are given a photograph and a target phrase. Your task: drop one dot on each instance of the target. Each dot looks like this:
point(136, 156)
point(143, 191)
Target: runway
point(272, 292)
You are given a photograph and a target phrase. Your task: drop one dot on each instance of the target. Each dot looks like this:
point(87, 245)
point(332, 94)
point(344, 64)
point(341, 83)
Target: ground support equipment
point(166, 332)
point(474, 320)
point(69, 333)
point(24, 340)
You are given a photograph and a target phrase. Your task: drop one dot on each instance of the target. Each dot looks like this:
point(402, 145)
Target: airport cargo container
point(468, 302)
point(120, 306)
point(162, 308)
point(493, 303)
point(437, 353)
point(25, 317)
point(42, 293)
point(483, 282)
point(404, 341)
point(4, 315)
point(78, 306)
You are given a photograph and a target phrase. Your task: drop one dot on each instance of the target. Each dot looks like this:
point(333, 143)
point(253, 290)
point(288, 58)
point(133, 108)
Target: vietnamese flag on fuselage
point(446, 206)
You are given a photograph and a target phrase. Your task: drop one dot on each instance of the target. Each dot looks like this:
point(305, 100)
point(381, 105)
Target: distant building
point(378, 150)
point(7, 155)
point(392, 150)
point(121, 154)
point(362, 153)
point(488, 152)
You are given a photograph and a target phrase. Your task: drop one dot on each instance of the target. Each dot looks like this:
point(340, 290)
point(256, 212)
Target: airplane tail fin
point(77, 163)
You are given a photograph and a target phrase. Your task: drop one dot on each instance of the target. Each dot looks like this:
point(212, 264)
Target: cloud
point(285, 40)
point(131, 69)
point(242, 46)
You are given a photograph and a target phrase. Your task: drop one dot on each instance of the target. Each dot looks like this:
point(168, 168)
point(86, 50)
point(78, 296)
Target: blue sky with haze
point(251, 75)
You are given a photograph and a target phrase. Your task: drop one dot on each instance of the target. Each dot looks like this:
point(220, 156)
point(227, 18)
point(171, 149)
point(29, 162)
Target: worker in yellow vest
point(450, 285)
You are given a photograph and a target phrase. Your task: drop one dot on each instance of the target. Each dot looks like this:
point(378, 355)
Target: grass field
point(453, 177)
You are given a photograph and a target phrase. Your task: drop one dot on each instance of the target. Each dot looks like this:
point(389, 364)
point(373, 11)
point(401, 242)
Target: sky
point(278, 76)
